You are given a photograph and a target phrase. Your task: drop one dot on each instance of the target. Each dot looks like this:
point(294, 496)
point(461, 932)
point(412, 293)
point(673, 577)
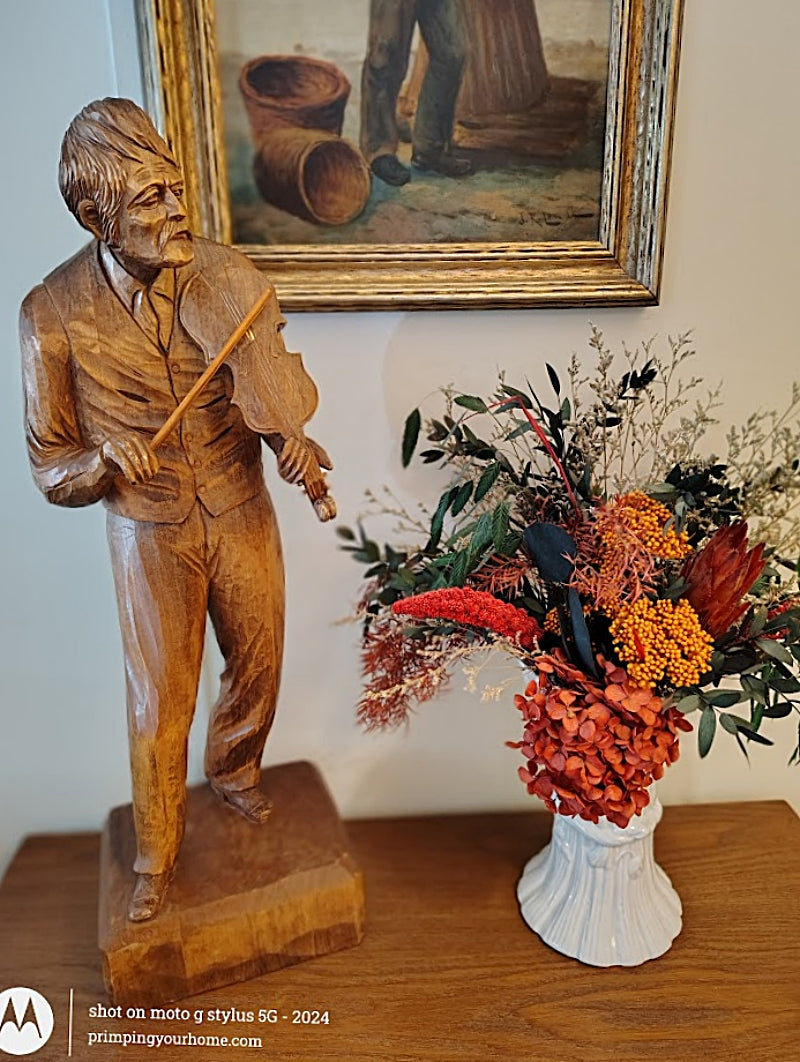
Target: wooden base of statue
point(245, 899)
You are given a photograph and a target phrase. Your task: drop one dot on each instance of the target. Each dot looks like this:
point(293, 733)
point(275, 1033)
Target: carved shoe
point(148, 896)
point(250, 803)
point(390, 170)
point(441, 162)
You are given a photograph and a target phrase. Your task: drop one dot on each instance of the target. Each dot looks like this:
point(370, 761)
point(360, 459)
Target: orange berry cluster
point(646, 518)
point(551, 622)
point(659, 639)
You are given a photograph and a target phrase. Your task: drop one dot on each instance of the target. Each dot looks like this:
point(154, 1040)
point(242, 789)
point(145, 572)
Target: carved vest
point(123, 380)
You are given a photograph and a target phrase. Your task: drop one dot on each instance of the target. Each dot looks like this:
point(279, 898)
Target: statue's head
point(120, 180)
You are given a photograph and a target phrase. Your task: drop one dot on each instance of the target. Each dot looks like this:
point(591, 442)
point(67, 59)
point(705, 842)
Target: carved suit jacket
point(90, 371)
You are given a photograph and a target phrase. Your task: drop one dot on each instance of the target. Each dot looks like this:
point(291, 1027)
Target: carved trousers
point(391, 28)
point(167, 578)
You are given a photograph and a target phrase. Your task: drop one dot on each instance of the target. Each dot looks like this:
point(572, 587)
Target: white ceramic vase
point(596, 893)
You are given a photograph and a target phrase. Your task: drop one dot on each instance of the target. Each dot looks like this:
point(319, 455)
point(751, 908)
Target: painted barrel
point(296, 90)
point(313, 174)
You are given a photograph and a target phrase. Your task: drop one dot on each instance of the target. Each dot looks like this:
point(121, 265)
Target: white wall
point(730, 274)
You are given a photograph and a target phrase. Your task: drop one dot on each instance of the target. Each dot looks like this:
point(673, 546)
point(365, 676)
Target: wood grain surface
point(246, 899)
point(448, 971)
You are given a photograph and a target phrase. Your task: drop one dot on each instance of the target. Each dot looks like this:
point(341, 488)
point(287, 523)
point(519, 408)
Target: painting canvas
point(305, 88)
point(391, 154)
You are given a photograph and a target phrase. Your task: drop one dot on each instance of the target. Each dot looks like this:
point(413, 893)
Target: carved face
point(150, 230)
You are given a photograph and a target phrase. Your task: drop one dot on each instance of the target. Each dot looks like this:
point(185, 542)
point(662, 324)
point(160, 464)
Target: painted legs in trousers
point(391, 27)
point(167, 577)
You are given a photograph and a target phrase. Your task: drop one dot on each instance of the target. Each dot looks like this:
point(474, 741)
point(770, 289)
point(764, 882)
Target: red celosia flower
point(719, 575)
point(593, 747)
point(474, 608)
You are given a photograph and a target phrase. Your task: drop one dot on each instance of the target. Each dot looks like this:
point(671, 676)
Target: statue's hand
point(294, 459)
point(131, 455)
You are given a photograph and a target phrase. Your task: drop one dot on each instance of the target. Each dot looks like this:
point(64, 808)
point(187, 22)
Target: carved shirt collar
point(127, 288)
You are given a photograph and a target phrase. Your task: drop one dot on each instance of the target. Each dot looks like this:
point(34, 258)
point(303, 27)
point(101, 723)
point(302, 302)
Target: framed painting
point(391, 154)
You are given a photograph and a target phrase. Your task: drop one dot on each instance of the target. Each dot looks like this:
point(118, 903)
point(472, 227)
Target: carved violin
point(274, 393)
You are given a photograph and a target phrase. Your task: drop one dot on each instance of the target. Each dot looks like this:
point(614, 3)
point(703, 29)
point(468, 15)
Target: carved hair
point(93, 153)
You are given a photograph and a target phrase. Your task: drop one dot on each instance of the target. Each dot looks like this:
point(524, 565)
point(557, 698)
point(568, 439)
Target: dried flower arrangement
point(593, 542)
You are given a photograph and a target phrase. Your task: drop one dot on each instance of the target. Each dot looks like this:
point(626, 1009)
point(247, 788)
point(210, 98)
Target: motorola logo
point(26, 1021)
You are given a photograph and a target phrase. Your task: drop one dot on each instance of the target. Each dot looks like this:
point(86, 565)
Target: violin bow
point(202, 382)
point(313, 481)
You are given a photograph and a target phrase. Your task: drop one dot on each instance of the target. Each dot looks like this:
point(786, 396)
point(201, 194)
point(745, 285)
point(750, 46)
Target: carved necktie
point(154, 309)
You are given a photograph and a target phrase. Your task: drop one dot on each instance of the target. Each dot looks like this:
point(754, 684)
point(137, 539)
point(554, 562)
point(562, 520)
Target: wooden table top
point(448, 971)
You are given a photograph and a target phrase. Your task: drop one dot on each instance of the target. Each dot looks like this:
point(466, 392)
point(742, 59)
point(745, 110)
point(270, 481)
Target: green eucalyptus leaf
point(758, 622)
point(521, 429)
point(410, 436)
point(778, 711)
point(728, 723)
point(751, 735)
point(738, 720)
point(472, 402)
point(783, 620)
point(688, 704)
point(774, 649)
point(706, 731)
point(723, 698)
point(784, 684)
point(755, 688)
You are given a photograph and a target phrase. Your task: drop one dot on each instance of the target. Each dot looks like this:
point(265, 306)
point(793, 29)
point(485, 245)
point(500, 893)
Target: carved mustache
point(173, 230)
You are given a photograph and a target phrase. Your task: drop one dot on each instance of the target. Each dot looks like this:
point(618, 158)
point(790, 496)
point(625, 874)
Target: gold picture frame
point(622, 267)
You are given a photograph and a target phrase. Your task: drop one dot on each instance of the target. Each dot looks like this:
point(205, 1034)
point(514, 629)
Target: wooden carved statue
point(126, 404)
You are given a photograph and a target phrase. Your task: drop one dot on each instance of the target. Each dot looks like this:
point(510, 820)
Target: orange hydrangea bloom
point(593, 747)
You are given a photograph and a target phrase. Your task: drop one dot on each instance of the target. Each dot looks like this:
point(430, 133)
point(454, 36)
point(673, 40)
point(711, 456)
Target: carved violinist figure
point(112, 341)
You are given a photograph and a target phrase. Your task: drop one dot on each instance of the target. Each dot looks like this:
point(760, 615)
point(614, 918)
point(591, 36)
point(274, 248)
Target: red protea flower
point(474, 608)
point(594, 746)
point(719, 575)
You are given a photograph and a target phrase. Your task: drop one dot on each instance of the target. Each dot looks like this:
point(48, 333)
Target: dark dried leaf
point(552, 550)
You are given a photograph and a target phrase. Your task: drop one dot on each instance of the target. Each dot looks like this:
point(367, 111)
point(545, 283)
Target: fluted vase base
point(596, 893)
